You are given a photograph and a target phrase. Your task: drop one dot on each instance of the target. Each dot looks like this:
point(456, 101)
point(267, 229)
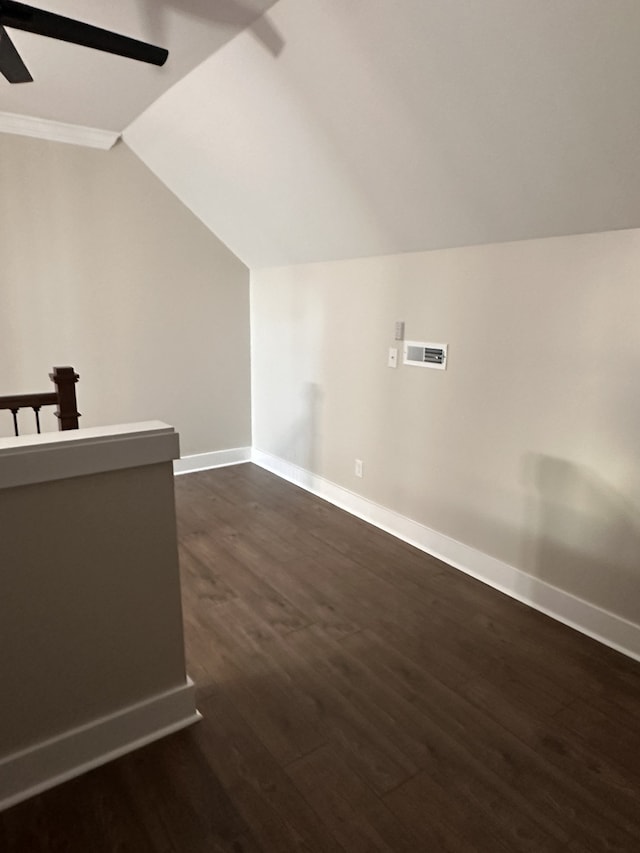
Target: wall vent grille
point(421, 354)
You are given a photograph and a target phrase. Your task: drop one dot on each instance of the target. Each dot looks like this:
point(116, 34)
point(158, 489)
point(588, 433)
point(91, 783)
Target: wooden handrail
point(28, 401)
point(64, 397)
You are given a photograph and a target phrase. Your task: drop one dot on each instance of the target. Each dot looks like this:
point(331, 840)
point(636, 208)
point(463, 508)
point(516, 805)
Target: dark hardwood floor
point(358, 695)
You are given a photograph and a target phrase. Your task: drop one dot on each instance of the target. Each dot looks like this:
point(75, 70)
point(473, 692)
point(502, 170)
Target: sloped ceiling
point(89, 88)
point(385, 126)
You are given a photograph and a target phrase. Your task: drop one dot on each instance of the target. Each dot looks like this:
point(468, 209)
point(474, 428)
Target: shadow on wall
point(233, 14)
point(583, 536)
point(301, 442)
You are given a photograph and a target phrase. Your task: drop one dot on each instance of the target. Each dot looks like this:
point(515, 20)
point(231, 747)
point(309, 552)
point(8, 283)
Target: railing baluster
point(36, 410)
point(14, 412)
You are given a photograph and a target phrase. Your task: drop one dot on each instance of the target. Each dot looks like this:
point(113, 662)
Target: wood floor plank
point(516, 761)
point(436, 745)
point(468, 810)
point(372, 752)
point(405, 747)
point(357, 695)
point(481, 641)
point(280, 613)
point(459, 643)
point(201, 583)
point(586, 663)
point(282, 696)
point(419, 805)
point(354, 814)
point(608, 788)
point(184, 802)
point(261, 790)
point(278, 711)
point(82, 815)
point(606, 727)
point(292, 584)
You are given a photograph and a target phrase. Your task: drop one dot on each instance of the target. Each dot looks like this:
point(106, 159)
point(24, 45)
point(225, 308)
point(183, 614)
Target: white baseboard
point(601, 625)
point(30, 771)
point(215, 459)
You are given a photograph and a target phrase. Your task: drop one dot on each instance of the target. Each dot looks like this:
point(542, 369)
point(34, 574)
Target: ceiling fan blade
point(11, 66)
point(23, 17)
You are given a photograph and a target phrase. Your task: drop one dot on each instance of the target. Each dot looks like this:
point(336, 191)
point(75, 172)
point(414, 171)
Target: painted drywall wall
point(91, 622)
point(525, 448)
point(104, 269)
point(385, 126)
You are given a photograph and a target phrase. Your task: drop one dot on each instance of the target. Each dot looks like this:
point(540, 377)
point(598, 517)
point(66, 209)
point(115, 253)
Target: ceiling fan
point(22, 17)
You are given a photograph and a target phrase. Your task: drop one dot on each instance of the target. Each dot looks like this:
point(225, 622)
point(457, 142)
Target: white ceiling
point(86, 87)
point(325, 129)
point(385, 126)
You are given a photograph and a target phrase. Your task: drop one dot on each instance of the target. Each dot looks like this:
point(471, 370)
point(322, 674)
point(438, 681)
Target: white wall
point(525, 448)
point(102, 268)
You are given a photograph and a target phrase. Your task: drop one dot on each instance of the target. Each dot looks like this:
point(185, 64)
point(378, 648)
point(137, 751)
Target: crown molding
point(57, 131)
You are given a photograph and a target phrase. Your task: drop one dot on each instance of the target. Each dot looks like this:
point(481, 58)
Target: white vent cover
point(423, 354)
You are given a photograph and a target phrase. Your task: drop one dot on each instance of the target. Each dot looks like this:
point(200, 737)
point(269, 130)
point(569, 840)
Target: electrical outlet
point(359, 468)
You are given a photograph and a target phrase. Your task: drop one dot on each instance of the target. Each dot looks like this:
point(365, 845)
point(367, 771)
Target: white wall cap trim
point(588, 618)
point(12, 443)
point(57, 131)
point(30, 459)
point(26, 773)
point(214, 459)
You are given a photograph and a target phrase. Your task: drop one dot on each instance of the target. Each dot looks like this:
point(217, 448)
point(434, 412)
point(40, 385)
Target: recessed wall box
point(421, 354)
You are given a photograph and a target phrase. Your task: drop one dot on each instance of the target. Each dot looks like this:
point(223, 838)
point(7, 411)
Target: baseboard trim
point(601, 625)
point(215, 459)
point(31, 771)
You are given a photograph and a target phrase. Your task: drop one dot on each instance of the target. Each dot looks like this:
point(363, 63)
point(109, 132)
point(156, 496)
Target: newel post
point(65, 378)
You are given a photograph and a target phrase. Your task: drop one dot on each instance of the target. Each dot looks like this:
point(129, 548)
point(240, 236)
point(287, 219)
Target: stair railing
point(64, 397)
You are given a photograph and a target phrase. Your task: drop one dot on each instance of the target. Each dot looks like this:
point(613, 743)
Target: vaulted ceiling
point(79, 86)
point(385, 127)
point(331, 129)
